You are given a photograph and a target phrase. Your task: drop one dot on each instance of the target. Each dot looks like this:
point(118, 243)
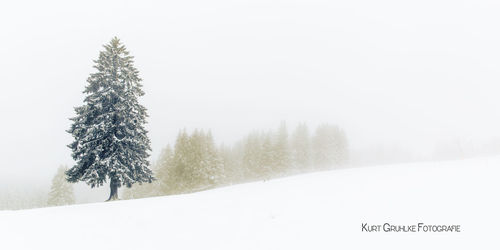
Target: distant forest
point(195, 163)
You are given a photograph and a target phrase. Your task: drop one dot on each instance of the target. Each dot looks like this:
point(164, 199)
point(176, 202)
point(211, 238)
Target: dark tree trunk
point(113, 195)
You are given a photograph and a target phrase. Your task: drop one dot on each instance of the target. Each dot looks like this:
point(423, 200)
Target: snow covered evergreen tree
point(281, 151)
point(213, 164)
point(330, 148)
point(204, 168)
point(61, 191)
point(181, 161)
point(266, 156)
point(252, 152)
point(110, 141)
point(165, 174)
point(301, 148)
point(230, 163)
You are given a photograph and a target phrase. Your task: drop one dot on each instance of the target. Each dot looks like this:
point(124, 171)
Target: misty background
point(412, 80)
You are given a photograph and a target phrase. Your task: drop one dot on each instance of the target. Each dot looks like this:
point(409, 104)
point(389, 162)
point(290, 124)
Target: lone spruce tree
point(110, 141)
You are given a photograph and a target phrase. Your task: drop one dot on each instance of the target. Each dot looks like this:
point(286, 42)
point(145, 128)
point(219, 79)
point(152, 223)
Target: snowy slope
point(315, 211)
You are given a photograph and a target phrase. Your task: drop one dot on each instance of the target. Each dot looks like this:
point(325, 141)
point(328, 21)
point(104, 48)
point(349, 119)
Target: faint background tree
point(61, 191)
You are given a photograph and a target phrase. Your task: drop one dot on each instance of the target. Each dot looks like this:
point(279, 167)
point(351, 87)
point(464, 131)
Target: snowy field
point(315, 211)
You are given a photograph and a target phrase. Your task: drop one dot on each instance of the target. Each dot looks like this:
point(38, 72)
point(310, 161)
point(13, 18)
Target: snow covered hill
point(315, 211)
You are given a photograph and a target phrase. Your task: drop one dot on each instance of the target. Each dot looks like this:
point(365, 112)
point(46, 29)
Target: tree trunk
point(113, 195)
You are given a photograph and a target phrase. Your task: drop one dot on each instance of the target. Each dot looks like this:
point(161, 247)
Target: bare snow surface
point(322, 210)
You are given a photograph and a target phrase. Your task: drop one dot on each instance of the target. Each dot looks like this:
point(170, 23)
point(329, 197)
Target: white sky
point(409, 73)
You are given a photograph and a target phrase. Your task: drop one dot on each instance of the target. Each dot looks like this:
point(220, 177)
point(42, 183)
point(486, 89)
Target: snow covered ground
point(322, 210)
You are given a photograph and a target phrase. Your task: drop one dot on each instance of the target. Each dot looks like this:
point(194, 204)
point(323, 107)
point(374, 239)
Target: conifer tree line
point(195, 163)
